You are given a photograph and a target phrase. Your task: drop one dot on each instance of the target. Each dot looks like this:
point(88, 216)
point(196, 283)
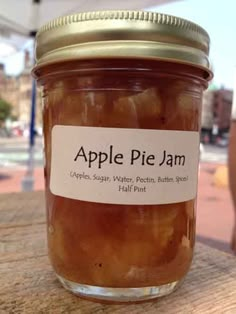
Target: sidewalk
point(214, 214)
point(10, 180)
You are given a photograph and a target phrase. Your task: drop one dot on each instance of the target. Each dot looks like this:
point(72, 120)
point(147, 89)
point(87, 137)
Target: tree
point(5, 111)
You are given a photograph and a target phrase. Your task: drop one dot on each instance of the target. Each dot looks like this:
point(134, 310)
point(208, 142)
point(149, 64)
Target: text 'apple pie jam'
point(121, 97)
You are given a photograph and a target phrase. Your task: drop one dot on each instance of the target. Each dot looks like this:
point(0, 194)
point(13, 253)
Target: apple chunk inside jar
point(111, 245)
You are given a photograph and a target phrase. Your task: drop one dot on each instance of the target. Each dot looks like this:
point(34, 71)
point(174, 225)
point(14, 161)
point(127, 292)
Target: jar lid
point(123, 34)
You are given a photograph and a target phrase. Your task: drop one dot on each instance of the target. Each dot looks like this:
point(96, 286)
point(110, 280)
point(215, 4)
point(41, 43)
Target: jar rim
point(123, 34)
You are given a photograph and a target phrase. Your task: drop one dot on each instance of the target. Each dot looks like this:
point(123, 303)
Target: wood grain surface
point(28, 284)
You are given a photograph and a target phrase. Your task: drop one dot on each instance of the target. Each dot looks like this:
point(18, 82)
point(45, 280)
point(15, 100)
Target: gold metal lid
point(123, 34)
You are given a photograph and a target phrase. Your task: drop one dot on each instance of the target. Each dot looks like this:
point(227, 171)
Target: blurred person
point(232, 166)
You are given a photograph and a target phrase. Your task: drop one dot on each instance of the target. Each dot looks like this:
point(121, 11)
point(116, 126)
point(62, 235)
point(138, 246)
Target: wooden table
point(28, 284)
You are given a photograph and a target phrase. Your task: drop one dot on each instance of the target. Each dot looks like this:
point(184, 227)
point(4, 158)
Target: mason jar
point(121, 100)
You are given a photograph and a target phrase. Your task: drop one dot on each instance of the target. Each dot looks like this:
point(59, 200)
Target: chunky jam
point(110, 245)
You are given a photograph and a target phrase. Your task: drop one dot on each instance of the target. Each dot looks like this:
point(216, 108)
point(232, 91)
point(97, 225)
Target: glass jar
point(121, 94)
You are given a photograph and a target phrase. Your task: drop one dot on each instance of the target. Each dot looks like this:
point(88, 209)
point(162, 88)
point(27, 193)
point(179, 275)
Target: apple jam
point(121, 141)
point(117, 245)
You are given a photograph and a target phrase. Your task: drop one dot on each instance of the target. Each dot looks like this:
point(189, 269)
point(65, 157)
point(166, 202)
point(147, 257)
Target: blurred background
point(21, 157)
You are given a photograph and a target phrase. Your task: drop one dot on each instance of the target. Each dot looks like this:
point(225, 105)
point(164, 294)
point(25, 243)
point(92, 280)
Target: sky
point(14, 63)
point(216, 16)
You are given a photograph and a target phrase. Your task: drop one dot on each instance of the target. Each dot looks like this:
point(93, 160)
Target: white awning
point(20, 18)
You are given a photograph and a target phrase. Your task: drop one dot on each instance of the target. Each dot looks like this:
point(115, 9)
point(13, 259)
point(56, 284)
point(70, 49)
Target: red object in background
point(17, 131)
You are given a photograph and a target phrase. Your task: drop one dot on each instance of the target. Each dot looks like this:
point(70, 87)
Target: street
point(14, 153)
point(14, 160)
point(214, 154)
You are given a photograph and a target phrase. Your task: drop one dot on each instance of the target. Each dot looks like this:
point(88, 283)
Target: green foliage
point(5, 110)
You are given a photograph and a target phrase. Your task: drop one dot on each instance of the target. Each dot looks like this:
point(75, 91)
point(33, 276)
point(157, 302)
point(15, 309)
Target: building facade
point(17, 91)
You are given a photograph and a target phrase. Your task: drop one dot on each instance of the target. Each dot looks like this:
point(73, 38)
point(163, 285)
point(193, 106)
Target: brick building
point(17, 91)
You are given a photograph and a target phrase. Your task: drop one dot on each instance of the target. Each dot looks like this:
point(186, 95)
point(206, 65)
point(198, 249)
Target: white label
point(124, 166)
